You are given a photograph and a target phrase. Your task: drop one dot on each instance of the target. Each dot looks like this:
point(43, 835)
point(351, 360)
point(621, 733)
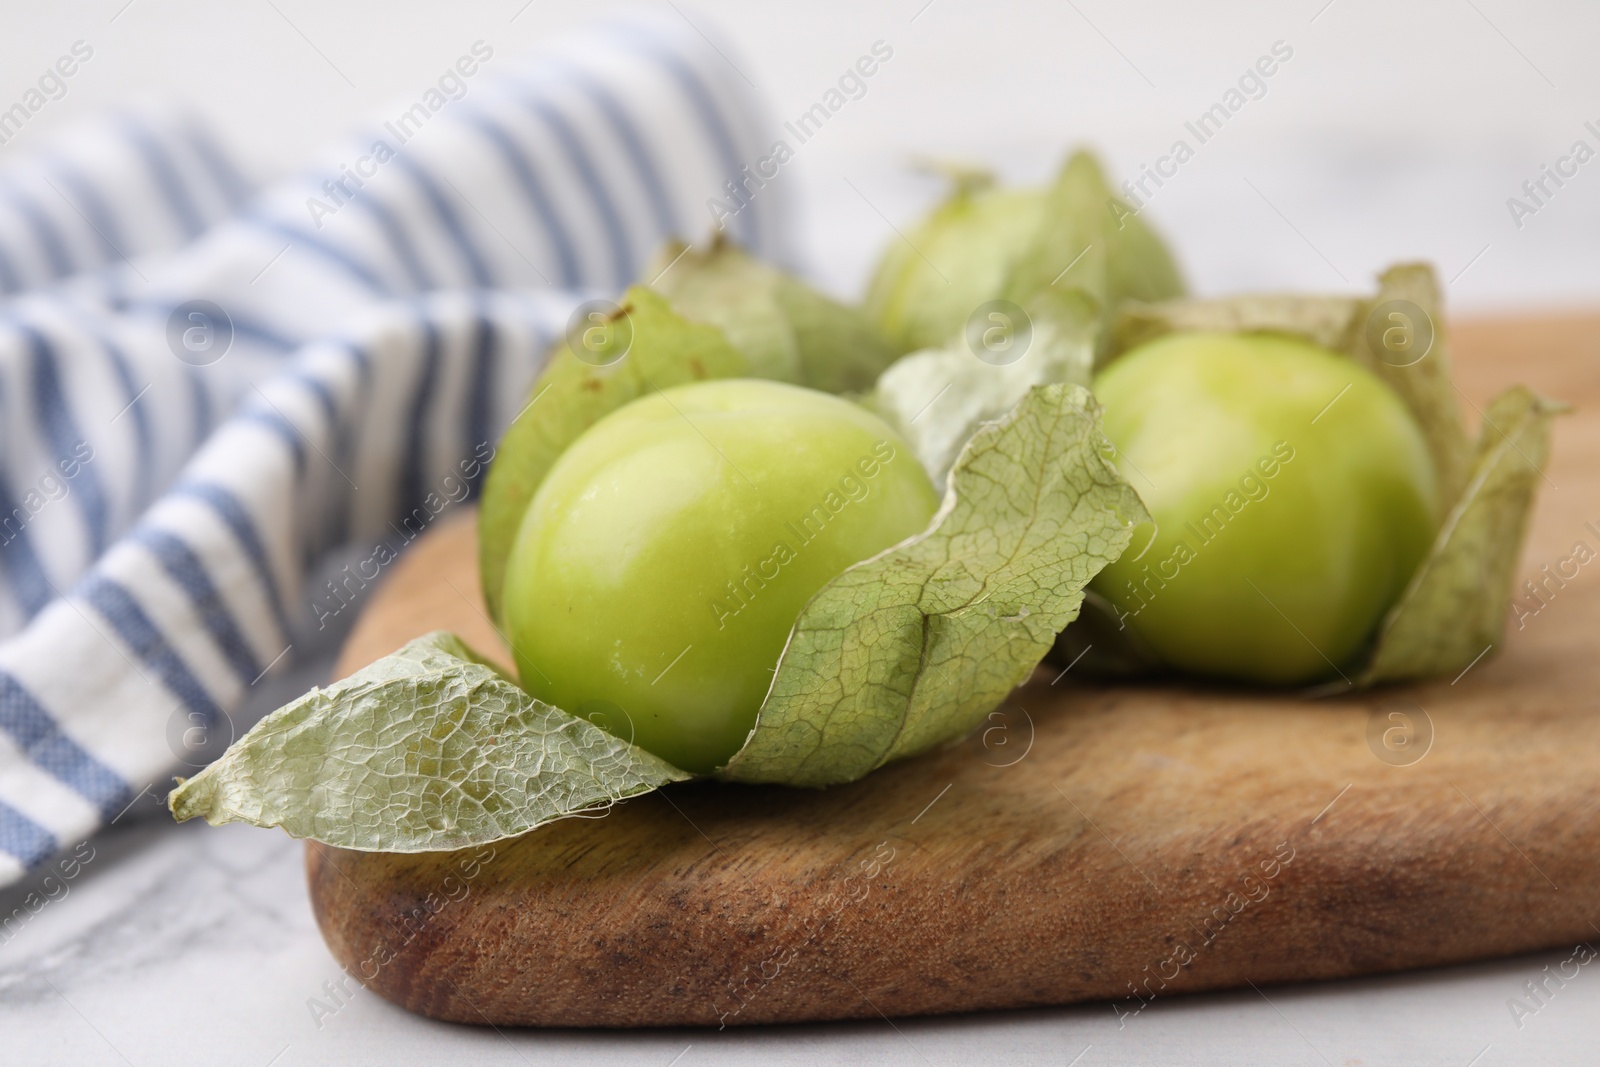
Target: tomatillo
point(1293, 495)
point(665, 557)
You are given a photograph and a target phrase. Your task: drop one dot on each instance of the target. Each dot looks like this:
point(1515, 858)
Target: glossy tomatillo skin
point(1294, 496)
point(665, 557)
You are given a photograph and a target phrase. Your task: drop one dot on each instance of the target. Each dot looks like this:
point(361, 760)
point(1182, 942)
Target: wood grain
point(1091, 843)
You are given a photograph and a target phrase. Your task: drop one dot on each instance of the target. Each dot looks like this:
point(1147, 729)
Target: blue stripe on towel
point(233, 515)
point(144, 462)
point(204, 417)
point(36, 732)
point(23, 569)
point(219, 165)
point(24, 572)
point(25, 839)
point(411, 489)
point(711, 118)
point(44, 230)
point(326, 249)
point(395, 233)
point(50, 403)
point(634, 145)
point(243, 327)
point(146, 642)
point(10, 281)
point(287, 432)
point(180, 201)
point(317, 388)
point(478, 426)
point(622, 265)
point(93, 207)
point(449, 218)
point(533, 188)
point(190, 573)
point(346, 441)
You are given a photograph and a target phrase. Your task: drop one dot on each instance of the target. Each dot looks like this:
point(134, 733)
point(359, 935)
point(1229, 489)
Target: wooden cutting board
point(1091, 842)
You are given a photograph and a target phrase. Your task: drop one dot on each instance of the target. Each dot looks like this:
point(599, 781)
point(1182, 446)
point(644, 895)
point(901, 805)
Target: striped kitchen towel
point(208, 390)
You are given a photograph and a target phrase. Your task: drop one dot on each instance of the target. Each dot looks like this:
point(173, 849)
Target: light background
point(1396, 131)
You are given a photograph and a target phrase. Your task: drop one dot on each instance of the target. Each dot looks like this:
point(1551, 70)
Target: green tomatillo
point(1293, 496)
point(665, 557)
point(987, 243)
